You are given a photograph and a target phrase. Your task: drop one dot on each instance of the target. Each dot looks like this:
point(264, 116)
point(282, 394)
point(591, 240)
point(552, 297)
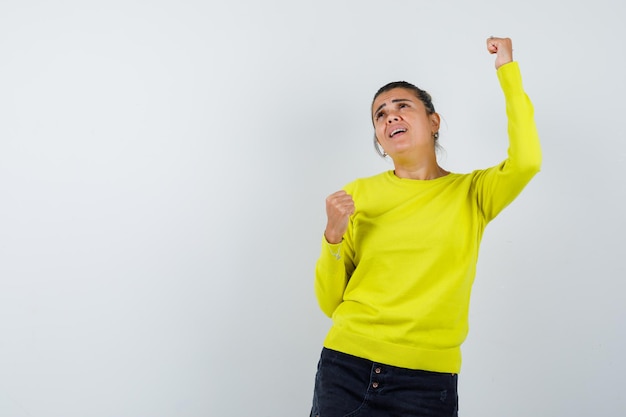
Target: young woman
point(399, 257)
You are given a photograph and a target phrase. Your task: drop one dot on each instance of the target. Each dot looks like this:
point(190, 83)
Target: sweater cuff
point(510, 78)
point(333, 250)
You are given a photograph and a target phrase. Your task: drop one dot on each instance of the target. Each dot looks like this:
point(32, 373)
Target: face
point(402, 124)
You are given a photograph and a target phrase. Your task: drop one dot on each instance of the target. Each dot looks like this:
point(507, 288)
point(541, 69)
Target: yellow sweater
point(398, 286)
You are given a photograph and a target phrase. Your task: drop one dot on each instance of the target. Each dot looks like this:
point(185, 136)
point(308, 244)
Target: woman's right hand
point(339, 208)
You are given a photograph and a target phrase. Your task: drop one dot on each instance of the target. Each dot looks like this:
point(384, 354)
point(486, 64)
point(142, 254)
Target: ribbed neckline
point(411, 182)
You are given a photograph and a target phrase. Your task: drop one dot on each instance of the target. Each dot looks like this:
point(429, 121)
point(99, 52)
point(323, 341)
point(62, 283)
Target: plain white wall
point(163, 167)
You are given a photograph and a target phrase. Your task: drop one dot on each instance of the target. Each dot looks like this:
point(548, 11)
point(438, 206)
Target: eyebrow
point(397, 100)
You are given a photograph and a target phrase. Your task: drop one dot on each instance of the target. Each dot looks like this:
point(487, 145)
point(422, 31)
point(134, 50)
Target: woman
point(399, 257)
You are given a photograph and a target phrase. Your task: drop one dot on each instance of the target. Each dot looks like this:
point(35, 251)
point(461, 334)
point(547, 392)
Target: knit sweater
point(398, 286)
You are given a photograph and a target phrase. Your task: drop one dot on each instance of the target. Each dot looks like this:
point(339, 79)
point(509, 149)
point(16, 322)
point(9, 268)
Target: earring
point(436, 135)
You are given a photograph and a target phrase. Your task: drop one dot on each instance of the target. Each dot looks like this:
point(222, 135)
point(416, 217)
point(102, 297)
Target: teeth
point(397, 130)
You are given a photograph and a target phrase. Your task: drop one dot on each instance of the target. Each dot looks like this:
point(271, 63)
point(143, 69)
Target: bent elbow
point(328, 308)
point(326, 302)
point(533, 167)
point(529, 164)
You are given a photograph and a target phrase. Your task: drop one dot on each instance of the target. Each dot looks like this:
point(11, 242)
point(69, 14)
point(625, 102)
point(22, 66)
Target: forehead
point(399, 93)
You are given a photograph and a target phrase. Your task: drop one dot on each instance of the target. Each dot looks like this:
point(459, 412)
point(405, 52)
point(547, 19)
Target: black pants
point(347, 386)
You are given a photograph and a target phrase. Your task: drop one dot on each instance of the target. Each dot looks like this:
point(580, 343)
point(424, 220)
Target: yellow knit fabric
point(398, 286)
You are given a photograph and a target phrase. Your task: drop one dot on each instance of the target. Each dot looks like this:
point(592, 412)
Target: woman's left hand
point(503, 48)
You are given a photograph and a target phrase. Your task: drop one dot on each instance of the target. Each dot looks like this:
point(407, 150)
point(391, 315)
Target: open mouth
point(397, 131)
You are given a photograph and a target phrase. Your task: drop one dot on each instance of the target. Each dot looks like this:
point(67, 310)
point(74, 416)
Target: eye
point(403, 105)
point(378, 115)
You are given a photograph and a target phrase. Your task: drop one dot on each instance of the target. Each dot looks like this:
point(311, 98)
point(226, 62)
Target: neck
point(423, 170)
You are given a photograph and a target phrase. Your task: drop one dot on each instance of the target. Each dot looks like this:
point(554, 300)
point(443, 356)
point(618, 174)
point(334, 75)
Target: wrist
point(333, 239)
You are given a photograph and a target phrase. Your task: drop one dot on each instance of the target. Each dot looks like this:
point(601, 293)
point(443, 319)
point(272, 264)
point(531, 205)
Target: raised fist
point(503, 48)
point(339, 208)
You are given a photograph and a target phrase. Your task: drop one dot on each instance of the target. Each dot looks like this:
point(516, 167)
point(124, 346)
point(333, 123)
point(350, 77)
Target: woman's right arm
point(335, 264)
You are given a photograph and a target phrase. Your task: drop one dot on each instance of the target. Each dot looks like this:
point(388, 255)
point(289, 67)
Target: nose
point(391, 118)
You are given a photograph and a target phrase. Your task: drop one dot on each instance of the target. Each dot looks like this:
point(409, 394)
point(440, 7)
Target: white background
point(163, 169)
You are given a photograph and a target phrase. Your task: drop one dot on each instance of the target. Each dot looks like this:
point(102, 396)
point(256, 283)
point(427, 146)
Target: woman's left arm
point(499, 185)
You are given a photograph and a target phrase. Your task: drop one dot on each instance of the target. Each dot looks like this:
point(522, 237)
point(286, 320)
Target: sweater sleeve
point(498, 186)
point(332, 272)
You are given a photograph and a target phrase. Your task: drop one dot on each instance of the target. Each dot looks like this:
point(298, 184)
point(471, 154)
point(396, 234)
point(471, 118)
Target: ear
point(377, 145)
point(434, 122)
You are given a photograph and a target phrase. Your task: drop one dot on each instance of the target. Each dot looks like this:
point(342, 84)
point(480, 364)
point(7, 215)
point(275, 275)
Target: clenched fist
point(339, 208)
point(503, 48)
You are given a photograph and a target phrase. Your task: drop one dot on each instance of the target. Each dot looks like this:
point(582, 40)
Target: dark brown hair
point(422, 95)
